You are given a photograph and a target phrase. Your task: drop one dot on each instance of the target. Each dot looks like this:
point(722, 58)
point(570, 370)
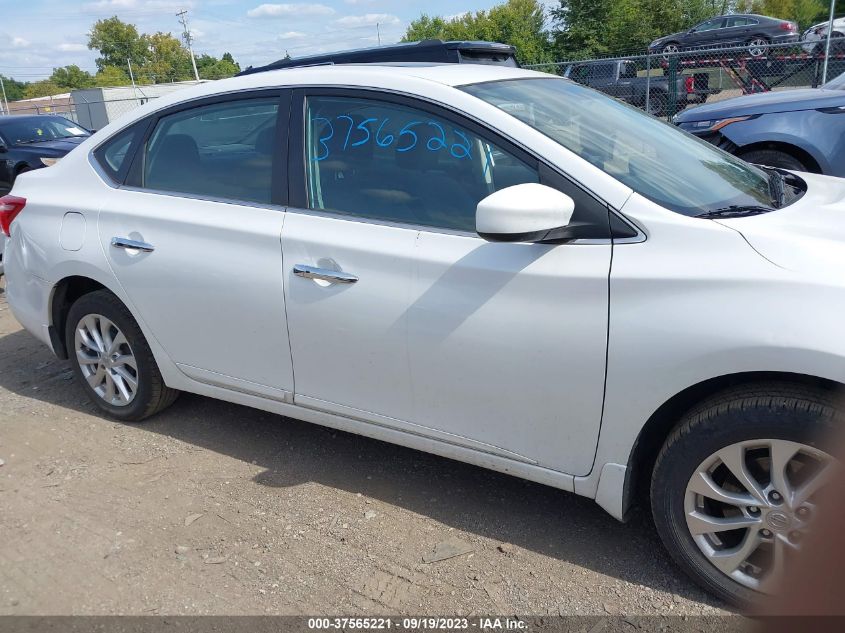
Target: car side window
point(113, 154)
point(709, 25)
point(738, 22)
point(223, 150)
point(389, 162)
point(602, 72)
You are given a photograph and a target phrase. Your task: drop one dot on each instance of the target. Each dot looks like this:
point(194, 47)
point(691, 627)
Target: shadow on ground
point(532, 516)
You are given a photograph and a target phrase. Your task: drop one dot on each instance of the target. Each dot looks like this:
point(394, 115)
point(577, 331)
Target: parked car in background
point(803, 130)
point(425, 51)
point(468, 260)
point(814, 39)
point(34, 141)
point(620, 79)
point(754, 31)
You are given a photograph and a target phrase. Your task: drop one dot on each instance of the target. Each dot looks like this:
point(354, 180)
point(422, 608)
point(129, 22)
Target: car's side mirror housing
point(524, 213)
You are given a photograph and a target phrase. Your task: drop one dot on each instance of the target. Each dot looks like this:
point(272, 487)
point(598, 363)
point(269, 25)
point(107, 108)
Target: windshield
point(25, 130)
point(836, 84)
point(655, 159)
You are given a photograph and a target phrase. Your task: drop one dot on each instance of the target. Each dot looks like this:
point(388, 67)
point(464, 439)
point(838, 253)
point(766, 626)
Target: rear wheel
point(774, 158)
point(112, 360)
point(735, 486)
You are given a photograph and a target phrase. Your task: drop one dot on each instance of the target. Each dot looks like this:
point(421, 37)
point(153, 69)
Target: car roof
point(399, 76)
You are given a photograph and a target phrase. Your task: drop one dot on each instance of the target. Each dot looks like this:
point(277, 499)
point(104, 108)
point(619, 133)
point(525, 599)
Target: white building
point(96, 107)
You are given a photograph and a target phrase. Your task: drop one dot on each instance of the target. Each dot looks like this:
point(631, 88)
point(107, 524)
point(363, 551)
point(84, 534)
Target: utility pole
point(378, 32)
point(183, 18)
point(827, 44)
point(3, 88)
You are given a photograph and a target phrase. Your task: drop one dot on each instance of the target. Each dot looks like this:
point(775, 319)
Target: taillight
point(10, 206)
point(788, 26)
point(690, 84)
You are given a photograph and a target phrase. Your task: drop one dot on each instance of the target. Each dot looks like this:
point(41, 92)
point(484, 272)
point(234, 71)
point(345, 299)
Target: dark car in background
point(426, 51)
point(32, 142)
point(754, 31)
point(802, 130)
point(620, 78)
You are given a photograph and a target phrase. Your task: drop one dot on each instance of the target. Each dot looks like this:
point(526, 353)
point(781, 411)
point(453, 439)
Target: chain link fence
point(666, 83)
point(94, 108)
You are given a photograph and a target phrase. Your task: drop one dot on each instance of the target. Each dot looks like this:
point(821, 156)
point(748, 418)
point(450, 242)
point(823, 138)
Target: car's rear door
point(401, 315)
point(194, 238)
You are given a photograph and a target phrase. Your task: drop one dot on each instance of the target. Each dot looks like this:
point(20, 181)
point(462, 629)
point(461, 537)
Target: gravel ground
point(213, 508)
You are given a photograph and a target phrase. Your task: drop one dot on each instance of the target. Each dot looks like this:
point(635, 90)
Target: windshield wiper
point(777, 186)
point(736, 211)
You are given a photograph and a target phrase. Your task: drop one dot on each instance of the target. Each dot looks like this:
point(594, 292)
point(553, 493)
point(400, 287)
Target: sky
point(38, 35)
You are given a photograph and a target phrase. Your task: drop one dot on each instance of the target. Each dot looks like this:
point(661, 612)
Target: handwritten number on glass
point(406, 140)
point(323, 140)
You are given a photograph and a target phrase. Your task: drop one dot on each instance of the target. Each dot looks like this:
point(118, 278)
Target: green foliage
point(587, 28)
point(805, 12)
point(117, 42)
point(71, 77)
point(14, 89)
point(44, 88)
point(110, 76)
point(520, 23)
point(155, 58)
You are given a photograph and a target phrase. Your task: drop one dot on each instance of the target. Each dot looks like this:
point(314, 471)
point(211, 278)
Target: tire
point(150, 395)
point(774, 158)
point(770, 414)
point(757, 46)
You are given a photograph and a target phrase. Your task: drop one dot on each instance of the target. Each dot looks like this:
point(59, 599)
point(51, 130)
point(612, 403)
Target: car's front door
point(194, 238)
point(400, 315)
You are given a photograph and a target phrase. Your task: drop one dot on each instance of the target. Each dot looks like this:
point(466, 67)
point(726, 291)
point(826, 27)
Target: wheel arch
point(65, 293)
point(796, 152)
point(661, 423)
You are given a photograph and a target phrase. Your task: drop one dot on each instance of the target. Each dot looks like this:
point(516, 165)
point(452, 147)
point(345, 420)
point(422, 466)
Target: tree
point(44, 88)
point(227, 57)
point(168, 60)
point(520, 23)
point(111, 76)
point(71, 77)
point(117, 42)
point(805, 12)
point(14, 88)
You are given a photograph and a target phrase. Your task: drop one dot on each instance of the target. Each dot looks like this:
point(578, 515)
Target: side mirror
point(524, 213)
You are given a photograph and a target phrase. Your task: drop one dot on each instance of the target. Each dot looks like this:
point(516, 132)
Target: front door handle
point(135, 245)
point(324, 274)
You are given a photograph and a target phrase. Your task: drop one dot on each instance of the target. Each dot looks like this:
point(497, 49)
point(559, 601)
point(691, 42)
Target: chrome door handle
point(334, 276)
point(135, 245)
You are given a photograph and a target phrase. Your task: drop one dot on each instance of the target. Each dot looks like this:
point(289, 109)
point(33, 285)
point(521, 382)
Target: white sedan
point(490, 264)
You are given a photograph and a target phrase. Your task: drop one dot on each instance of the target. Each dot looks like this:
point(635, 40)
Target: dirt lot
point(215, 508)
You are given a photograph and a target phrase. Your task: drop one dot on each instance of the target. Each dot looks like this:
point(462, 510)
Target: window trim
point(278, 185)
point(297, 157)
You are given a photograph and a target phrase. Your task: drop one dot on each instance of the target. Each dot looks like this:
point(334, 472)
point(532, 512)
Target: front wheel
point(758, 46)
point(735, 487)
point(112, 360)
point(774, 158)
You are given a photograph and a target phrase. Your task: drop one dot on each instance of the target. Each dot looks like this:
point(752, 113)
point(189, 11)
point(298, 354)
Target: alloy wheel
point(748, 507)
point(757, 47)
point(106, 360)
point(670, 49)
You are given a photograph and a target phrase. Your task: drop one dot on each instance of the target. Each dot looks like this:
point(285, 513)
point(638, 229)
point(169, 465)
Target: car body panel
point(673, 317)
point(811, 120)
point(728, 33)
